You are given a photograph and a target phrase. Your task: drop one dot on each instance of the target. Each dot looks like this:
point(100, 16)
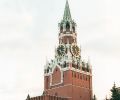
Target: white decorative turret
point(90, 66)
point(69, 55)
point(47, 63)
point(55, 52)
point(64, 27)
point(70, 26)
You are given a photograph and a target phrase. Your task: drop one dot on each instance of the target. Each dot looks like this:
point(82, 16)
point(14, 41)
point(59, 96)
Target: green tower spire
point(67, 14)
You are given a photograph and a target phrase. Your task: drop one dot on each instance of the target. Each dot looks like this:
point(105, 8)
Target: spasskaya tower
point(67, 76)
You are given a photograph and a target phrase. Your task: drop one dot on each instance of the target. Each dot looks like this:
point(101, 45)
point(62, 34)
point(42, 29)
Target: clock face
point(61, 50)
point(75, 50)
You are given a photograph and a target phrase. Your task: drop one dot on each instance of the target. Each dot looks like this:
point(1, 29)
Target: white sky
point(29, 33)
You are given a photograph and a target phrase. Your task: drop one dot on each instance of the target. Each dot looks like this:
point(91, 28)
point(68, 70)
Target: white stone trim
point(61, 76)
point(48, 74)
point(62, 35)
point(76, 70)
point(73, 69)
point(80, 71)
point(68, 85)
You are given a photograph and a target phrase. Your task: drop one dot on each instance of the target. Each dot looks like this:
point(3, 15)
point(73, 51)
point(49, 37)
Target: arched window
point(64, 64)
point(56, 94)
point(75, 75)
point(73, 29)
point(48, 70)
point(47, 81)
point(67, 26)
point(61, 29)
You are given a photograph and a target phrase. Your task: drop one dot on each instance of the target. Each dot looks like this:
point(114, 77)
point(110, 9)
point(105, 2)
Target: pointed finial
point(114, 84)
point(67, 14)
point(94, 98)
point(28, 97)
point(46, 60)
point(80, 48)
point(88, 60)
point(45, 66)
point(106, 98)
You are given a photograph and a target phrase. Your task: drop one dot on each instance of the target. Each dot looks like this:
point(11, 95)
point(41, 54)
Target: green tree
point(115, 93)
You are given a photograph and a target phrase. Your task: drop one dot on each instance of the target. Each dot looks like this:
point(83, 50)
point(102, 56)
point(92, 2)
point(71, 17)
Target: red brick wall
point(77, 93)
point(66, 38)
point(46, 82)
point(79, 79)
point(47, 97)
point(56, 76)
point(63, 91)
point(67, 79)
point(76, 85)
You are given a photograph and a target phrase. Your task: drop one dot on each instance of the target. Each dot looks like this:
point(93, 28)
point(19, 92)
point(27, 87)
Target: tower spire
point(67, 14)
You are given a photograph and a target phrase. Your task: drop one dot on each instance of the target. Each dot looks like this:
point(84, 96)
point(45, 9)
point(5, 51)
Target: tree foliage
point(115, 93)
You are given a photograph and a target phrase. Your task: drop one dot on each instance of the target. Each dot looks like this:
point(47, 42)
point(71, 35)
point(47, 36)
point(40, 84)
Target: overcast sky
point(29, 34)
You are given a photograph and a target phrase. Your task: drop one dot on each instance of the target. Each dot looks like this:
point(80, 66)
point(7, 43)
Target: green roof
point(67, 14)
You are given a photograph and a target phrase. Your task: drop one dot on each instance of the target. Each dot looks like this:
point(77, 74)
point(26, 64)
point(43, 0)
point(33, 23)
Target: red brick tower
point(67, 75)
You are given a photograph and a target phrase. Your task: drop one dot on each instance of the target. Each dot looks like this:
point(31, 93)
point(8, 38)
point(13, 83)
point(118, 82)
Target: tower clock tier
point(68, 50)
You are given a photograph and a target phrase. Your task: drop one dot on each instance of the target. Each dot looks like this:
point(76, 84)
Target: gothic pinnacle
point(67, 14)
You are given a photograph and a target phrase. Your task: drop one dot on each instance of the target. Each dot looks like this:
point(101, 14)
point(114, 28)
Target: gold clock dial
point(75, 50)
